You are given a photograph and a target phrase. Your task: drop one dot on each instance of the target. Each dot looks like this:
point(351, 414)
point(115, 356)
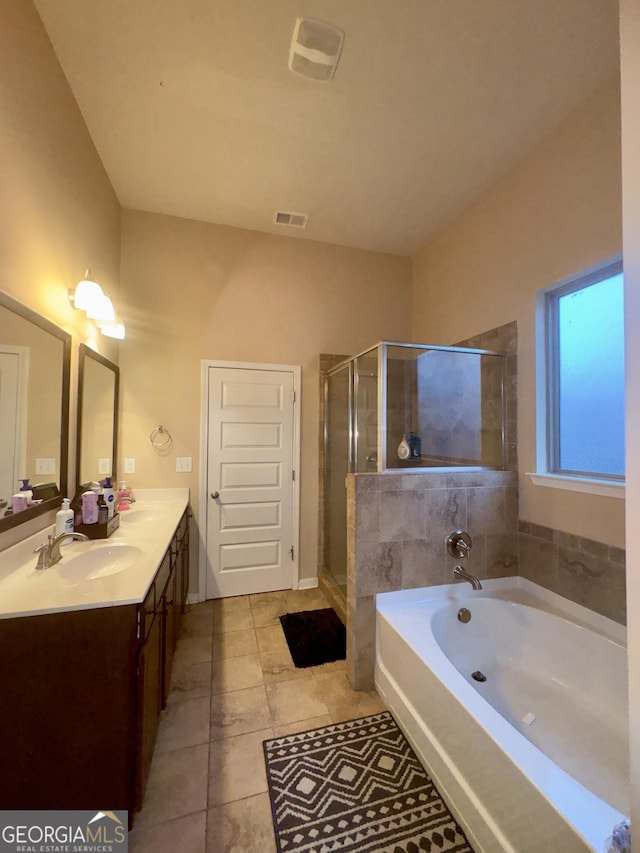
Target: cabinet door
point(148, 703)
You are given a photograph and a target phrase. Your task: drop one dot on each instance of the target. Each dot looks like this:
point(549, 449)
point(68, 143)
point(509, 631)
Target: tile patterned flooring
point(233, 685)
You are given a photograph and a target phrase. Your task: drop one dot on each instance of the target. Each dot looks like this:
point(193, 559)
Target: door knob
point(215, 495)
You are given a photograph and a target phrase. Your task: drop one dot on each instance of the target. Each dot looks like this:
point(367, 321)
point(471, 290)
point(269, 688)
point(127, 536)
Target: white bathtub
point(534, 758)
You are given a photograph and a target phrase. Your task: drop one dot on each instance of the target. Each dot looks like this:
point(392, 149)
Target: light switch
point(45, 466)
point(130, 465)
point(184, 464)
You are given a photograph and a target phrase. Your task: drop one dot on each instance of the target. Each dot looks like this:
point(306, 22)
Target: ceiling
point(194, 112)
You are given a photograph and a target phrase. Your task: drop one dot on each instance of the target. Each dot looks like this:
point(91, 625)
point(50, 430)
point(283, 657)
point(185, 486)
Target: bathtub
point(535, 757)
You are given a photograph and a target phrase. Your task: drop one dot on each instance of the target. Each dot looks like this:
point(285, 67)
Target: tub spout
point(460, 573)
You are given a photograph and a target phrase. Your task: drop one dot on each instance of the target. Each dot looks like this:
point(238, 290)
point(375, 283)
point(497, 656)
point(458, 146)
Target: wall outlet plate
point(129, 465)
point(184, 464)
point(104, 465)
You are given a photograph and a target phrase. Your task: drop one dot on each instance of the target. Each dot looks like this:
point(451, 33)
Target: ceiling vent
point(296, 220)
point(315, 49)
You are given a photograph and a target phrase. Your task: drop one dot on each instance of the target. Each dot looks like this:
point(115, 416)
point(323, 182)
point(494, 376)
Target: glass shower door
point(338, 463)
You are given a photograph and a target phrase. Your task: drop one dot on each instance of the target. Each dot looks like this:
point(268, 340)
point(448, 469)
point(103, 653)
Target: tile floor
point(233, 685)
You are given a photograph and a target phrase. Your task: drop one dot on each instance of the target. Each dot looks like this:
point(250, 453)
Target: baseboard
point(307, 583)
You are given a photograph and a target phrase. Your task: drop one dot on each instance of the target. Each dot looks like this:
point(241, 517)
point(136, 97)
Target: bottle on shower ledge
point(404, 450)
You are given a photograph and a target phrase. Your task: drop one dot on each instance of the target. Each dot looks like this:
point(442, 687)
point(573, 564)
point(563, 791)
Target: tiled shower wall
point(590, 573)
point(396, 530)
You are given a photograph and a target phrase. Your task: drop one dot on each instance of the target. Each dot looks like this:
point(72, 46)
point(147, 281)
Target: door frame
point(296, 372)
point(20, 437)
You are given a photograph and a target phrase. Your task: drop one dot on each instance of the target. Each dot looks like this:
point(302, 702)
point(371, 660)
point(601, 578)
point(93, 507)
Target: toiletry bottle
point(25, 489)
point(123, 492)
point(404, 451)
point(107, 491)
point(65, 519)
point(103, 510)
point(89, 508)
point(18, 502)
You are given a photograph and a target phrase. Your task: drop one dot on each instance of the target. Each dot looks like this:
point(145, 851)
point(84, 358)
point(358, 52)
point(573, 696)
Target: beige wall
point(194, 291)
point(630, 74)
point(557, 212)
point(58, 211)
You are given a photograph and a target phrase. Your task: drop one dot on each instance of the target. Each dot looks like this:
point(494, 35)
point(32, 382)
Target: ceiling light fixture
point(315, 49)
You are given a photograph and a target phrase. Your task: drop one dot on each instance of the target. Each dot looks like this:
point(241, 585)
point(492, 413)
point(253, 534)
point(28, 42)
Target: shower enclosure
point(401, 407)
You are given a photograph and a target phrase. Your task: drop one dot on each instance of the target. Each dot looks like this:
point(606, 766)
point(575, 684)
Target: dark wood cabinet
point(81, 693)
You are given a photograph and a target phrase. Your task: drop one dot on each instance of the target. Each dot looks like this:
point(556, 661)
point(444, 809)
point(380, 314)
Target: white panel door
point(249, 471)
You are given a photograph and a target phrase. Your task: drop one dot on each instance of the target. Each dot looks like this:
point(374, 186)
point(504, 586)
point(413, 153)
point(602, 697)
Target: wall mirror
point(98, 385)
point(35, 357)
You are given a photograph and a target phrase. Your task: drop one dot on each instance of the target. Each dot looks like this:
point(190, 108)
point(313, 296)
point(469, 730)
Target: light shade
point(114, 329)
point(90, 298)
point(101, 309)
point(87, 293)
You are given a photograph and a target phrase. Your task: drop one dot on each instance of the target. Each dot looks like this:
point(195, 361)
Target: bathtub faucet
point(459, 544)
point(461, 574)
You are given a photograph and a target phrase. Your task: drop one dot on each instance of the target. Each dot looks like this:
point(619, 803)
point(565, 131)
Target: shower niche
point(403, 408)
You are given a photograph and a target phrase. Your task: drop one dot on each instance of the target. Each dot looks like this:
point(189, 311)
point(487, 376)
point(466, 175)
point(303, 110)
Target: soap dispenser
point(64, 519)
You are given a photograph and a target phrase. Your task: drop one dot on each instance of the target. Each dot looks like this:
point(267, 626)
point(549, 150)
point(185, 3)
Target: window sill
point(606, 488)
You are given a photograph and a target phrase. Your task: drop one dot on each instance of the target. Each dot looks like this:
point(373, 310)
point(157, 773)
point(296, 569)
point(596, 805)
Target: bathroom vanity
point(86, 649)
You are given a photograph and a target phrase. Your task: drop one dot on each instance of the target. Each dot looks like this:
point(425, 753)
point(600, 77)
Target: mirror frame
point(7, 301)
point(85, 352)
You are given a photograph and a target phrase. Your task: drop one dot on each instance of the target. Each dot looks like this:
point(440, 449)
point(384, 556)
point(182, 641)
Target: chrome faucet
point(49, 552)
point(459, 544)
point(125, 499)
point(460, 574)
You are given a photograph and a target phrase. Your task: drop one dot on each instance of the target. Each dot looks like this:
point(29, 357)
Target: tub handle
point(459, 544)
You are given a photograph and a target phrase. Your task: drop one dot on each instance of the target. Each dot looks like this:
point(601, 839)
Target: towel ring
point(156, 433)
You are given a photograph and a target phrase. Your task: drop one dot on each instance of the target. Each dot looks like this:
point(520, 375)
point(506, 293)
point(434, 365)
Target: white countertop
point(147, 526)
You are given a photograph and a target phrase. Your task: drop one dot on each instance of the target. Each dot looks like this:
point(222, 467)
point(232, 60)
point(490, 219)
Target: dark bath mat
point(356, 787)
point(314, 637)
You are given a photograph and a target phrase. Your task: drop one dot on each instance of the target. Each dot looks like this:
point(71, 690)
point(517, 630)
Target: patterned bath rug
point(356, 787)
point(314, 637)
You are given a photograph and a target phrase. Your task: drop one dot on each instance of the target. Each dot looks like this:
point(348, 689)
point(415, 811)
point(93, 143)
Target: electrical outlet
point(184, 464)
point(130, 465)
point(45, 466)
point(104, 465)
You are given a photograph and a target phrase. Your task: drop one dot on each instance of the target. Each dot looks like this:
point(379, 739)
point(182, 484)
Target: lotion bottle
point(108, 492)
point(89, 508)
point(64, 519)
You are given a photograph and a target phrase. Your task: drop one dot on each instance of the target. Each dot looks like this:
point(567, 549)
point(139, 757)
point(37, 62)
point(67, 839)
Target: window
point(584, 325)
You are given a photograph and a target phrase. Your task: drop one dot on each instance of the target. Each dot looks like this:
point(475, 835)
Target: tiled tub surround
point(396, 530)
point(590, 573)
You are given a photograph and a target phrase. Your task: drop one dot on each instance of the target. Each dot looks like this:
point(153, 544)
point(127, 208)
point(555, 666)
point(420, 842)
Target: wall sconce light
point(89, 297)
point(113, 330)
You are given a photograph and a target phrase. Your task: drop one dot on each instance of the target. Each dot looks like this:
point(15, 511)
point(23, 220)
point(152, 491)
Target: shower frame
point(352, 410)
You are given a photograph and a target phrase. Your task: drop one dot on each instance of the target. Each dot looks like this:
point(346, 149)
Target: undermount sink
point(100, 561)
point(140, 515)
